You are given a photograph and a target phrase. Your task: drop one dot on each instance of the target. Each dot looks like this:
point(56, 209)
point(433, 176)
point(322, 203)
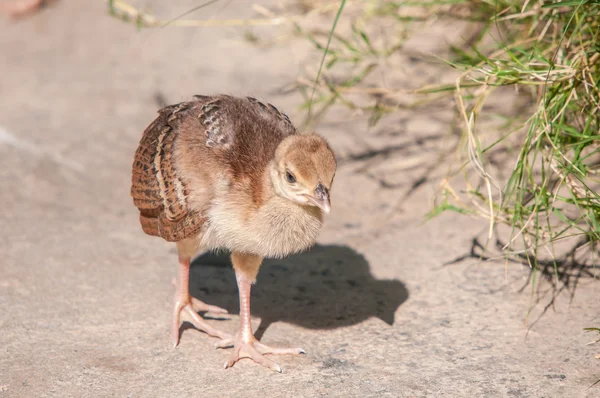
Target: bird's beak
point(320, 198)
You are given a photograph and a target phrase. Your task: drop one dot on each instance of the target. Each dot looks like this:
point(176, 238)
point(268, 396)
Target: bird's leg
point(244, 343)
point(20, 8)
point(190, 306)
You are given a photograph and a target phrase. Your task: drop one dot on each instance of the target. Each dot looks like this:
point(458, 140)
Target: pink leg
point(190, 305)
point(245, 344)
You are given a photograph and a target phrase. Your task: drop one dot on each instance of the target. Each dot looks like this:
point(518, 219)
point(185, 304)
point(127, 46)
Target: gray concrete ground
point(85, 296)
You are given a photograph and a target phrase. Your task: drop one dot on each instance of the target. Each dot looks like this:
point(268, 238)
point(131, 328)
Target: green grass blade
point(335, 22)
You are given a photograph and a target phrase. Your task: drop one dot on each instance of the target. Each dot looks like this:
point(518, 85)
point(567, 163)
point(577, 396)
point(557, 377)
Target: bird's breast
point(276, 229)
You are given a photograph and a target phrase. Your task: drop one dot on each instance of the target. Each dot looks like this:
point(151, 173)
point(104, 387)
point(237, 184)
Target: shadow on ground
point(325, 288)
point(563, 273)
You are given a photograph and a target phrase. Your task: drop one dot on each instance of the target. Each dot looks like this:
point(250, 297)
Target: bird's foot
point(255, 350)
point(191, 306)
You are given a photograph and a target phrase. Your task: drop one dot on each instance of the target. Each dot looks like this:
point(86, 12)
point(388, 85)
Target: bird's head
point(303, 170)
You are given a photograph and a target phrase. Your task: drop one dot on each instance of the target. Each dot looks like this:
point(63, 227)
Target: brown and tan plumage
point(157, 188)
point(221, 172)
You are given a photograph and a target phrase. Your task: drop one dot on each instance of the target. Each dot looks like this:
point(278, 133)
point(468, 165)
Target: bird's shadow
point(325, 288)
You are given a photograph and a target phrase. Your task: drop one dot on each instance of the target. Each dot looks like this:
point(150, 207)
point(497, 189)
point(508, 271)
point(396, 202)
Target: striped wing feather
point(157, 190)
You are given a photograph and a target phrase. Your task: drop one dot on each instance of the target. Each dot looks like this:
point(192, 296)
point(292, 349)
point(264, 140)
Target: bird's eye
point(290, 177)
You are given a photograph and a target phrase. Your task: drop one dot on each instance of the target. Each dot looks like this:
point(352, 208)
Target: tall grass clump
point(550, 51)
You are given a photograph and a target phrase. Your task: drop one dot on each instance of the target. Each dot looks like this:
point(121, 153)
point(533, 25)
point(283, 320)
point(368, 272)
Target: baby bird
point(230, 173)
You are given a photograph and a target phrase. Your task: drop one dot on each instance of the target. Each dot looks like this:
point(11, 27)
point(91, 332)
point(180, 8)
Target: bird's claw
point(256, 351)
point(190, 309)
point(248, 350)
